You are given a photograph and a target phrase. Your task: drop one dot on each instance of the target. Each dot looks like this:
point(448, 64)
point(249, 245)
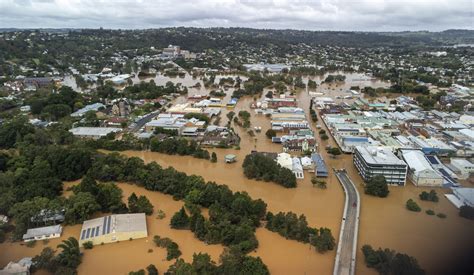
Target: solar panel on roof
point(432, 159)
point(88, 232)
point(97, 231)
point(83, 234)
point(92, 232)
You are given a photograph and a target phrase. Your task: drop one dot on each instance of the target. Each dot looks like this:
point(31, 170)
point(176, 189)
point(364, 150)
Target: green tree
point(431, 196)
point(203, 264)
point(412, 206)
point(213, 157)
point(377, 186)
point(180, 219)
point(80, 207)
point(70, 256)
point(334, 151)
point(270, 133)
point(45, 260)
point(324, 241)
point(152, 270)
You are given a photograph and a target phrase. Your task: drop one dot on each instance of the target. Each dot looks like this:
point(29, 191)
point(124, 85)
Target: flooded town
point(180, 159)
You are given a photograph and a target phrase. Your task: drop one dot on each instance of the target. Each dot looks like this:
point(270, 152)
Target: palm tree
point(70, 255)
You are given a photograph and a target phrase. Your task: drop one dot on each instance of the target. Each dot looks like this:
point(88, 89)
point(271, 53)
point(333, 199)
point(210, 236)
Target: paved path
point(139, 124)
point(347, 245)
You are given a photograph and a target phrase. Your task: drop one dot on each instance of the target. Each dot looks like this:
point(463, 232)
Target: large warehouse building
point(420, 171)
point(114, 228)
point(372, 161)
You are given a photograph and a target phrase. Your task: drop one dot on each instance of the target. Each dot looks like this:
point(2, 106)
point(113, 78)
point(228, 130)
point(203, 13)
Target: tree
point(173, 251)
point(139, 272)
point(213, 157)
point(467, 212)
point(152, 270)
point(319, 183)
point(324, 137)
point(139, 204)
point(431, 196)
point(45, 260)
point(377, 186)
point(270, 133)
point(180, 219)
point(109, 198)
point(70, 256)
point(88, 245)
point(230, 115)
point(88, 184)
point(203, 264)
point(80, 207)
point(334, 151)
point(412, 206)
point(324, 241)
point(388, 261)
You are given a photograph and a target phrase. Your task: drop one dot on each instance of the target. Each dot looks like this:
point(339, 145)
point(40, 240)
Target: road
point(140, 123)
point(347, 245)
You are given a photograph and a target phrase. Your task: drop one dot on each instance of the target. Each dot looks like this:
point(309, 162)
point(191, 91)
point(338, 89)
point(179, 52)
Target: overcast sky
point(356, 15)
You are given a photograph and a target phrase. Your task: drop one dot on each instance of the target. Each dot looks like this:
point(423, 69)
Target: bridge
point(347, 245)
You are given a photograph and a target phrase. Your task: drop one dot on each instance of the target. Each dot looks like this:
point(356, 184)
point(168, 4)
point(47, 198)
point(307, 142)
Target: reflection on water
point(435, 242)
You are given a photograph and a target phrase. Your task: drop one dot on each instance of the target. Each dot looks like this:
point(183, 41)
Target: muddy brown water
point(436, 243)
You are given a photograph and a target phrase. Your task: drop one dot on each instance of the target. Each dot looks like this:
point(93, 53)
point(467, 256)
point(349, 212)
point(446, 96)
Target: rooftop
point(40, 231)
point(93, 131)
point(379, 155)
point(113, 223)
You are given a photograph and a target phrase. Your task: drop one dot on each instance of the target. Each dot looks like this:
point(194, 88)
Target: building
point(93, 132)
point(465, 167)
point(299, 145)
point(297, 168)
point(373, 161)
point(38, 82)
point(461, 196)
point(420, 172)
point(22, 267)
point(92, 107)
point(320, 169)
point(43, 233)
point(114, 228)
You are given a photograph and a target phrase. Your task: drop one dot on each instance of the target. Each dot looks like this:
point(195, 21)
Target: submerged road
point(347, 245)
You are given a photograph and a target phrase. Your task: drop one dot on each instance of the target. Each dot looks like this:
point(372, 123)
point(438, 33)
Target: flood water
point(435, 242)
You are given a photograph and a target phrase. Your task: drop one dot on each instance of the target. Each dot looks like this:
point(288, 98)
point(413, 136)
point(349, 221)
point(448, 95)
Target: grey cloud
point(363, 15)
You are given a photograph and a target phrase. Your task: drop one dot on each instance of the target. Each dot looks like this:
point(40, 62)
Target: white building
point(22, 267)
point(420, 171)
point(93, 132)
point(372, 161)
point(91, 107)
point(43, 233)
point(297, 168)
point(465, 166)
point(461, 196)
point(284, 159)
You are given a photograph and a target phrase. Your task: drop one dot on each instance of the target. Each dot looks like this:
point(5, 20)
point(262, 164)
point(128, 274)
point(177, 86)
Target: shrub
point(88, 245)
point(431, 196)
point(412, 206)
point(430, 212)
point(467, 212)
point(441, 215)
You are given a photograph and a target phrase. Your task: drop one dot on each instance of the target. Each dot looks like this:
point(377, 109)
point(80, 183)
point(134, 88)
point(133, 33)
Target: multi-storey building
point(372, 161)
